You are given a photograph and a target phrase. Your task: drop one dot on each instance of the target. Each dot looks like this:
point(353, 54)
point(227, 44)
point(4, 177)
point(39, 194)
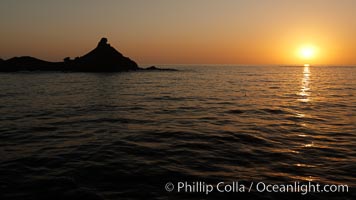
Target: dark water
point(124, 135)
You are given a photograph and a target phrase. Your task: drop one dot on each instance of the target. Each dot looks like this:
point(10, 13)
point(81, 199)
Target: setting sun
point(307, 52)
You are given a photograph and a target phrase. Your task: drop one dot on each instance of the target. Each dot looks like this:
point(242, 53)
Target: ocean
point(138, 135)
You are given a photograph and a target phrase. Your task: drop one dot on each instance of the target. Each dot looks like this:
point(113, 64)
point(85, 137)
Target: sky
point(183, 31)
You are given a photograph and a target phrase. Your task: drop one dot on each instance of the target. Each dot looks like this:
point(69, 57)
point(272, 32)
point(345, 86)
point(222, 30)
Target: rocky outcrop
point(154, 68)
point(103, 58)
point(26, 63)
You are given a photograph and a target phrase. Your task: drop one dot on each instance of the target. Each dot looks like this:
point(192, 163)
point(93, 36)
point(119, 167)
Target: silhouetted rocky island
point(103, 58)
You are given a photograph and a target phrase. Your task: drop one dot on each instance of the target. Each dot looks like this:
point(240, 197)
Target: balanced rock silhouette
point(103, 58)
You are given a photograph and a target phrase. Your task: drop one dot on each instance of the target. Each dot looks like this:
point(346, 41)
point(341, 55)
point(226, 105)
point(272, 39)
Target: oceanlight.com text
point(236, 187)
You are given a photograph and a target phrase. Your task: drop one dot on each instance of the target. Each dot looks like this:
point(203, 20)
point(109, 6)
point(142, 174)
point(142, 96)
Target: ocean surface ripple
point(124, 135)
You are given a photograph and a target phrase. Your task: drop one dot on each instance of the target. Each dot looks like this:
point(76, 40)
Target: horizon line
point(246, 65)
point(222, 64)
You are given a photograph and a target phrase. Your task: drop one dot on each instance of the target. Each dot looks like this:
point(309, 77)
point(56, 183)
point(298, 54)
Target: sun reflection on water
point(305, 89)
point(304, 94)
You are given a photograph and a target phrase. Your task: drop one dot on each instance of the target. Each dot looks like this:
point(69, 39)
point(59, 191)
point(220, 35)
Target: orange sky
point(183, 32)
